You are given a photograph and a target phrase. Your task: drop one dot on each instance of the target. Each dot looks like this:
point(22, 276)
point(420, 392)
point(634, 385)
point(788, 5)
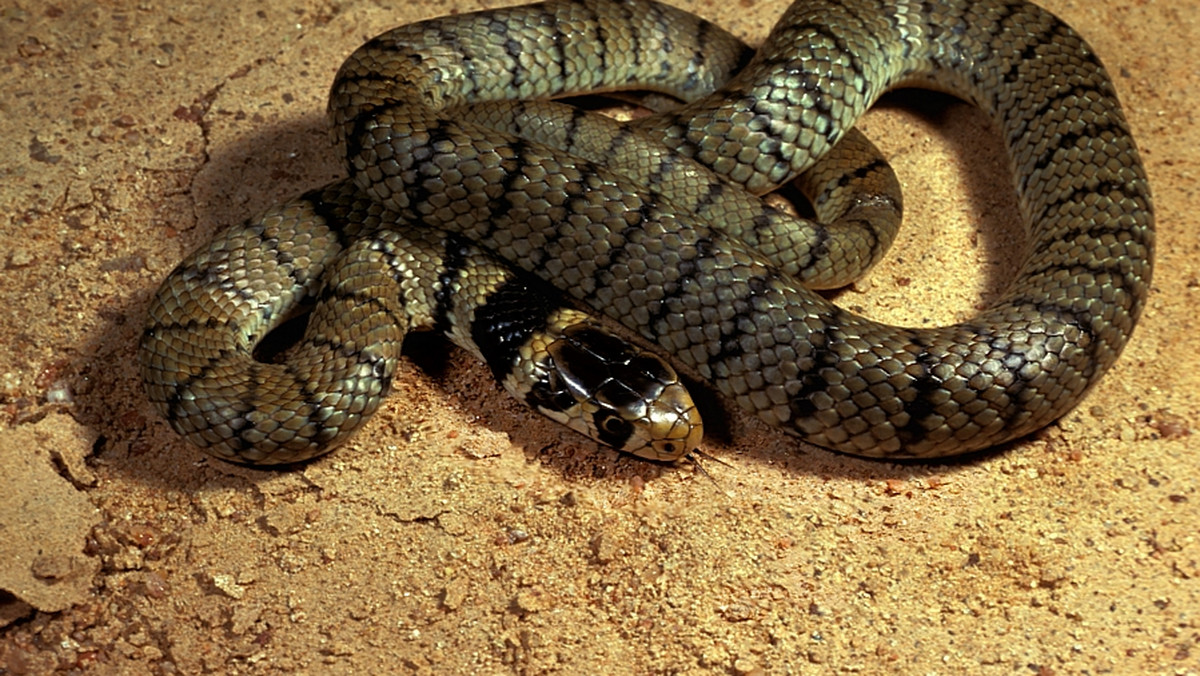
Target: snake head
point(614, 392)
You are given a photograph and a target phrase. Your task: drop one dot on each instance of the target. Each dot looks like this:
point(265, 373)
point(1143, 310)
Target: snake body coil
point(727, 312)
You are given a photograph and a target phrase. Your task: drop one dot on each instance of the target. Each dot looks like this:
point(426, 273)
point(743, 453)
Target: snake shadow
point(176, 213)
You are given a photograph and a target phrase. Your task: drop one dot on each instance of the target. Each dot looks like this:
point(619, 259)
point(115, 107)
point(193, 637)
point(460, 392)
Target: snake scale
point(410, 111)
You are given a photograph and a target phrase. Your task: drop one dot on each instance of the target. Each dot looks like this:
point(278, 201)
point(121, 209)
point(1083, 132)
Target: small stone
point(46, 567)
point(604, 548)
point(79, 194)
point(530, 601)
point(227, 585)
point(154, 585)
point(454, 594)
point(244, 617)
point(746, 667)
point(20, 258)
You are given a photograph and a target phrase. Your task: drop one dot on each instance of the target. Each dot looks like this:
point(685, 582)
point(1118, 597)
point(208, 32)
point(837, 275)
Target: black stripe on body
point(601, 48)
point(822, 355)
point(920, 408)
point(820, 246)
point(570, 128)
point(696, 63)
point(1118, 278)
point(1113, 127)
point(1054, 104)
point(861, 172)
point(335, 216)
point(454, 260)
point(1083, 320)
point(1029, 54)
point(1113, 189)
point(1095, 230)
point(499, 208)
point(506, 320)
point(364, 114)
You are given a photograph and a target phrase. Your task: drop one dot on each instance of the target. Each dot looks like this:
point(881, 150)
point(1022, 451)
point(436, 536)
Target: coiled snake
point(654, 260)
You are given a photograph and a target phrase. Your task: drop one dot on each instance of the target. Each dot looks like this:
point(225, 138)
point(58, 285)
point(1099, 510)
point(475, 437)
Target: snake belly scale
point(718, 308)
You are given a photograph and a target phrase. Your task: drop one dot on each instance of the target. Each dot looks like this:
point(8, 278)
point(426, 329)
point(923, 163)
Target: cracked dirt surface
point(459, 531)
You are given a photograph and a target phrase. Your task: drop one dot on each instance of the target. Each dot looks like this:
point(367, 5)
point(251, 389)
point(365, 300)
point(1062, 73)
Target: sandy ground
point(459, 532)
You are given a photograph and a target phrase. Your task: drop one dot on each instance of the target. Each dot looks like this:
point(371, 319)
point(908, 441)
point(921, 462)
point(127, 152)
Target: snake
point(409, 111)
